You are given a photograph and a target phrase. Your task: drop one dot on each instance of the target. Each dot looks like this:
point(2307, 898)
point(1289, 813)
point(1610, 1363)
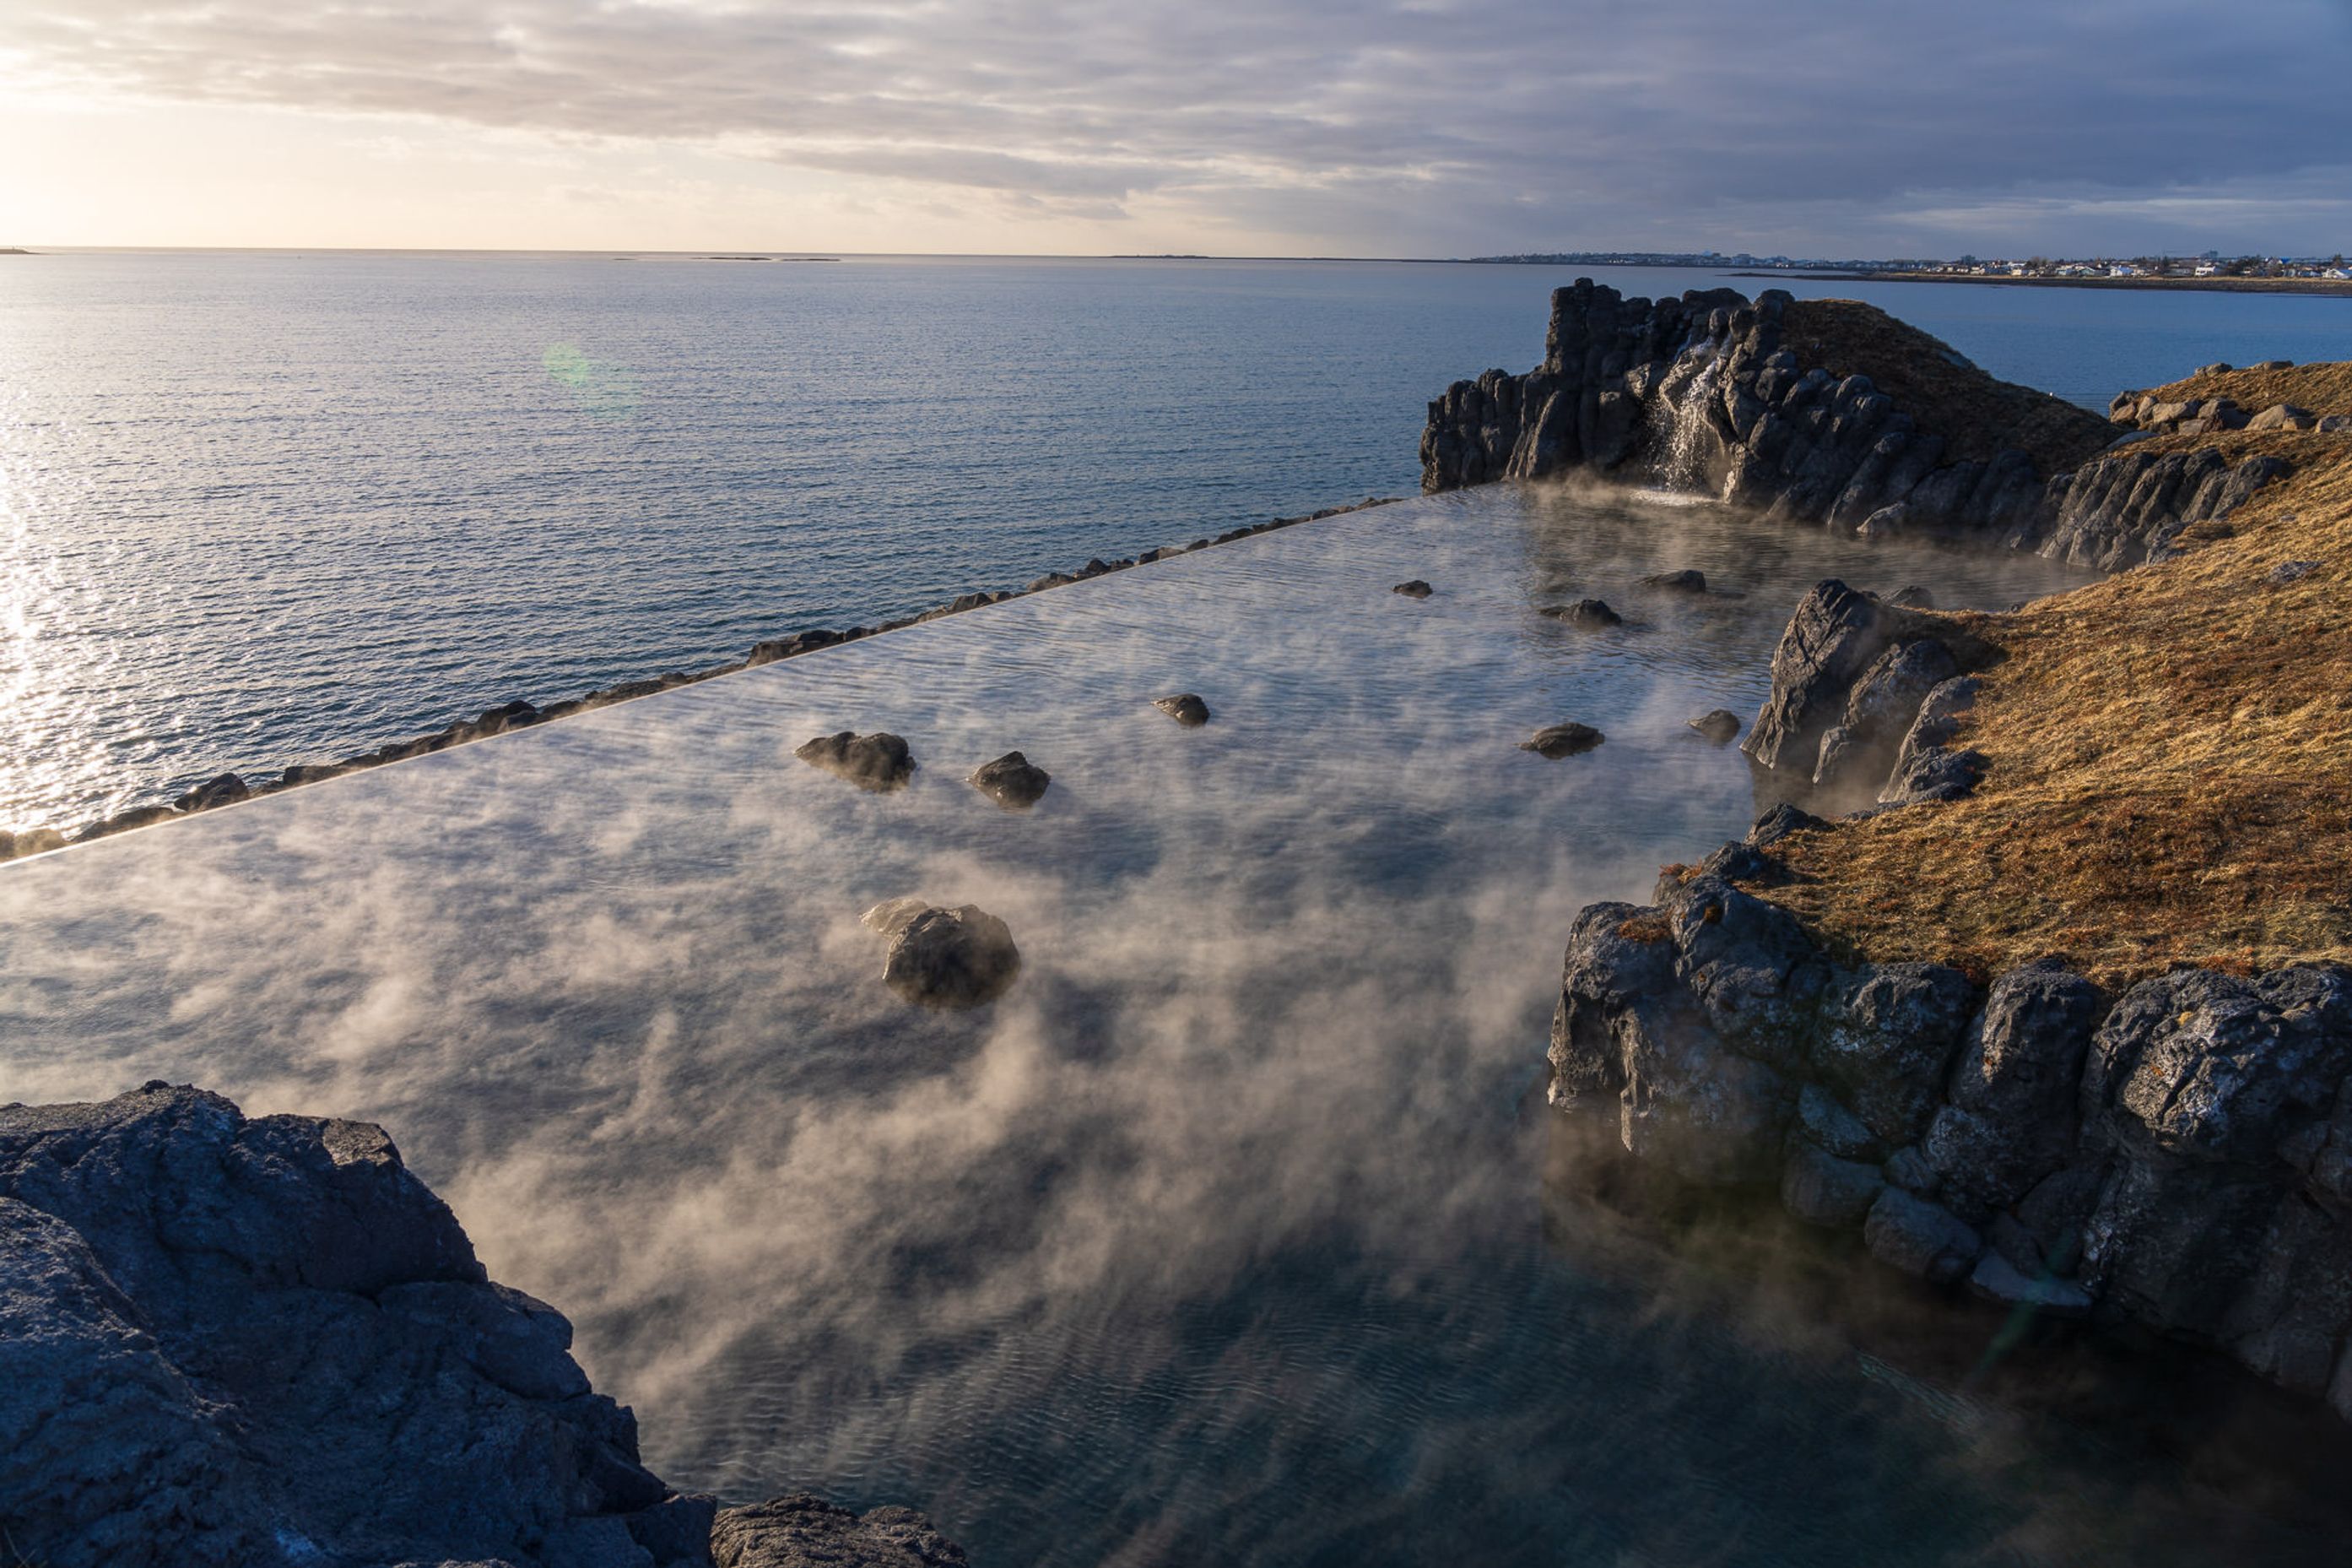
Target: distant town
point(2211, 265)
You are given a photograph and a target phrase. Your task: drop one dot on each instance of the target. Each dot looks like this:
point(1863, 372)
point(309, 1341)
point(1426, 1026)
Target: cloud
point(1481, 125)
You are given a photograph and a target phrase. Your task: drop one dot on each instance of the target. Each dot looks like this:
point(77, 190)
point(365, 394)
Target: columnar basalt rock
point(262, 1342)
point(1708, 392)
point(2179, 1157)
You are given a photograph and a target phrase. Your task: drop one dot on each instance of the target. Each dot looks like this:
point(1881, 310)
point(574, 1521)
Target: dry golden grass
point(2322, 388)
point(2170, 776)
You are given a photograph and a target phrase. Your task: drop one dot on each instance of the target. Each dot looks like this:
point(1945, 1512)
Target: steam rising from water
point(1220, 1239)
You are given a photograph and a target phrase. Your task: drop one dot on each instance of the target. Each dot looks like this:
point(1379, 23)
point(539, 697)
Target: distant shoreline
point(2331, 286)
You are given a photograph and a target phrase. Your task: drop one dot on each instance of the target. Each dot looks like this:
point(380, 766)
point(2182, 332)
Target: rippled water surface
point(257, 509)
point(1225, 1237)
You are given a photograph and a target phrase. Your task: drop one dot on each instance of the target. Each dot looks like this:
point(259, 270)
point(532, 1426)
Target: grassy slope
point(2171, 758)
point(1976, 414)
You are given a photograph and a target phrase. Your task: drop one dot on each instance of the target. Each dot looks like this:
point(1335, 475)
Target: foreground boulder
point(878, 762)
point(262, 1342)
point(2179, 1157)
point(950, 958)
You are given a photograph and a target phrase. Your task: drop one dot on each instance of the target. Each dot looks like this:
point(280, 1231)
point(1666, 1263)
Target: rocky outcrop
point(807, 1533)
point(2178, 1158)
point(255, 1342)
point(1865, 699)
point(1818, 411)
point(2129, 508)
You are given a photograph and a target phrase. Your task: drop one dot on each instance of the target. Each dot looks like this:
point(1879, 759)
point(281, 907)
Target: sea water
point(265, 507)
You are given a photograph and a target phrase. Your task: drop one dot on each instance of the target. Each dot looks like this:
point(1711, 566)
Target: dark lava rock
point(803, 1531)
point(2291, 570)
point(875, 762)
point(1557, 741)
point(263, 1341)
point(944, 958)
point(1011, 781)
point(214, 792)
point(1920, 1238)
point(1416, 589)
point(1912, 596)
point(1185, 708)
point(1718, 724)
point(792, 647)
point(1781, 821)
point(1590, 614)
point(1683, 581)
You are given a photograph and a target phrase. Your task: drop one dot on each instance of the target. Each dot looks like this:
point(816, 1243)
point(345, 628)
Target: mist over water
point(258, 509)
point(1225, 1237)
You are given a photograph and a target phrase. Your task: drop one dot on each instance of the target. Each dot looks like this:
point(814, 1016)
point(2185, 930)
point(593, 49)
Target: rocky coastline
point(2167, 1151)
point(1826, 412)
point(249, 1341)
point(228, 789)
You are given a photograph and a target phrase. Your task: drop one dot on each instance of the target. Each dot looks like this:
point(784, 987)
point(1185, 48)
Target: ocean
point(259, 507)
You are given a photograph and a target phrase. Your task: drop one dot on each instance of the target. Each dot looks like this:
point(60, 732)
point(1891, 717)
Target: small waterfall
point(1679, 417)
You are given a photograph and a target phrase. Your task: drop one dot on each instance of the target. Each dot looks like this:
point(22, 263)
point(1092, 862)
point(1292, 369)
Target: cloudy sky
point(1426, 127)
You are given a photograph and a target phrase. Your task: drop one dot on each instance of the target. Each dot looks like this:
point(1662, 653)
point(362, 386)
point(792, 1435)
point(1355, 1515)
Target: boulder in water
point(1557, 740)
point(1415, 589)
point(1718, 724)
point(1011, 781)
point(941, 957)
point(1683, 581)
point(877, 762)
point(1186, 708)
point(1590, 614)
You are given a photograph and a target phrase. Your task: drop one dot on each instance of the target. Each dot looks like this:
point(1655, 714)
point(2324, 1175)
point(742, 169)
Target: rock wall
point(261, 1341)
point(1710, 393)
point(2179, 1157)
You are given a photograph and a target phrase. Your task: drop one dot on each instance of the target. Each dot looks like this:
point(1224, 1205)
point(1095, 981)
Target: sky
point(1222, 127)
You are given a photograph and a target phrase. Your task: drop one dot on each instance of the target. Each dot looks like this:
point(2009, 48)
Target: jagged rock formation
point(1864, 702)
point(1818, 411)
point(262, 1342)
point(2179, 1157)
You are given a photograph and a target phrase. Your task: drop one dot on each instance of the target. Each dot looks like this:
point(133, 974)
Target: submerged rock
point(1590, 614)
point(951, 958)
point(1557, 740)
point(1186, 708)
point(1011, 781)
point(1720, 725)
point(1683, 581)
point(877, 762)
point(1415, 589)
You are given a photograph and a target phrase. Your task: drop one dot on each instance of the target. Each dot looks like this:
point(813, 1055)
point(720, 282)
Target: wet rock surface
point(1415, 589)
point(1683, 581)
point(1557, 740)
point(2177, 1158)
point(878, 763)
point(944, 958)
point(262, 1342)
point(1011, 781)
point(1186, 708)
